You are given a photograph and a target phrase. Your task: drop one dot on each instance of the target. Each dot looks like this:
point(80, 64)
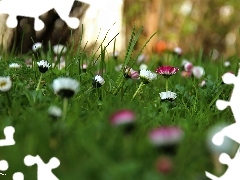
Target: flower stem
point(65, 104)
point(8, 99)
point(166, 84)
point(140, 86)
point(38, 85)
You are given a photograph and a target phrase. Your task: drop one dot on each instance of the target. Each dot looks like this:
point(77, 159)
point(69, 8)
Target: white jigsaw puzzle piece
point(35, 8)
point(232, 172)
point(9, 140)
point(44, 171)
point(231, 131)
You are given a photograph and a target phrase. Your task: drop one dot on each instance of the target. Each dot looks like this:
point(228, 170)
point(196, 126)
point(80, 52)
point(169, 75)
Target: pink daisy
point(122, 117)
point(167, 71)
point(130, 73)
point(165, 136)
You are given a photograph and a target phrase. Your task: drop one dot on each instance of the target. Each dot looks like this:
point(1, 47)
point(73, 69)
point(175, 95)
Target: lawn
point(85, 139)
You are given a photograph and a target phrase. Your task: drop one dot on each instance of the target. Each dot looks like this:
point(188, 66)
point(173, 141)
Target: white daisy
point(5, 84)
point(226, 63)
point(177, 50)
point(43, 66)
point(65, 86)
point(84, 67)
point(202, 83)
point(14, 65)
point(55, 111)
point(59, 48)
point(143, 66)
point(98, 81)
point(168, 95)
point(36, 46)
point(147, 76)
point(198, 71)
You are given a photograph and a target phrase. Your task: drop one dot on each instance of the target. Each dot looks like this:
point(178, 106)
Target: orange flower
point(160, 47)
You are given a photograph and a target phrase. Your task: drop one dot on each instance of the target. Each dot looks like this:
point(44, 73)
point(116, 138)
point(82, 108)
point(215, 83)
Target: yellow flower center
point(2, 84)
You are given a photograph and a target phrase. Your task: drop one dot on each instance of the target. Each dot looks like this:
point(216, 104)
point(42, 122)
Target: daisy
point(14, 65)
point(167, 71)
point(198, 71)
point(5, 84)
point(188, 66)
point(178, 51)
point(65, 87)
point(122, 117)
point(130, 73)
point(166, 138)
point(59, 49)
point(202, 83)
point(43, 66)
point(143, 66)
point(147, 76)
point(125, 118)
point(84, 67)
point(168, 95)
point(36, 46)
point(55, 111)
point(98, 81)
point(165, 135)
point(226, 64)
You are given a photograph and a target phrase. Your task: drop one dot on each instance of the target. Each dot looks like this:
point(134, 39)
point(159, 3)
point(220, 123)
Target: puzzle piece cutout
point(3, 165)
point(35, 8)
point(18, 176)
point(8, 132)
point(44, 170)
point(231, 131)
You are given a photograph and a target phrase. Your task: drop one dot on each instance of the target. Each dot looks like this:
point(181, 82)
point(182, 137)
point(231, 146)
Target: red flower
point(167, 71)
point(164, 164)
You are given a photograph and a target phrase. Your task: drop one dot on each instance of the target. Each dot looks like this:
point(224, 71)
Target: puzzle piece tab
point(36, 8)
point(231, 131)
point(8, 132)
point(44, 170)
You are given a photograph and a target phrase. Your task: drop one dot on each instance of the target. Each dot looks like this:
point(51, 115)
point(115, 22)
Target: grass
point(87, 146)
